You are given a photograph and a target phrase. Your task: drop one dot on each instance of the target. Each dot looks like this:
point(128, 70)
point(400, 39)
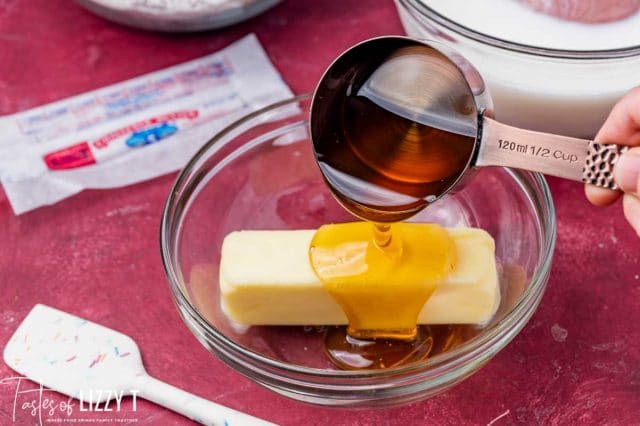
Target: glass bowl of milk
point(260, 174)
point(544, 73)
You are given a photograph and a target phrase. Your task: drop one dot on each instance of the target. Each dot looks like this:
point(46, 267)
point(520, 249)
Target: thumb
point(627, 171)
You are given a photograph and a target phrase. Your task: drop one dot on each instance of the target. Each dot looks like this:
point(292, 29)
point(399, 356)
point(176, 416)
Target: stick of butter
point(266, 278)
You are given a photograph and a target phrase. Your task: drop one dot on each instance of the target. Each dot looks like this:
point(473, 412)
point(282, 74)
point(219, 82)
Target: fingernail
point(627, 172)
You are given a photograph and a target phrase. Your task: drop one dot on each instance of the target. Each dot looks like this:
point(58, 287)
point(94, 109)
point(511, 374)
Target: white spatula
point(85, 360)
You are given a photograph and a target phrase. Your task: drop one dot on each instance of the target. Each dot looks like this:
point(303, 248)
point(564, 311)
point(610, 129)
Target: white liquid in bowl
point(517, 22)
point(558, 95)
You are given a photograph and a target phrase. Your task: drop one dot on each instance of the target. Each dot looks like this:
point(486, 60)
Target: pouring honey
point(384, 165)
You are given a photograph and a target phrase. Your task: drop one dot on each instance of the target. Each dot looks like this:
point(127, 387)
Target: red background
point(96, 255)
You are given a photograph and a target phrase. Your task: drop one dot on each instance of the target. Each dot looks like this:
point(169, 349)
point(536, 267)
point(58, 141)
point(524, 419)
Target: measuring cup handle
point(598, 166)
point(570, 158)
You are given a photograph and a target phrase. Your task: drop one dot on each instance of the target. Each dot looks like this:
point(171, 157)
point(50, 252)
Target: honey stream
point(385, 167)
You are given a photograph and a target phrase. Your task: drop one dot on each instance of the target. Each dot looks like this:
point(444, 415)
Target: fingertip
point(600, 196)
point(631, 207)
point(626, 172)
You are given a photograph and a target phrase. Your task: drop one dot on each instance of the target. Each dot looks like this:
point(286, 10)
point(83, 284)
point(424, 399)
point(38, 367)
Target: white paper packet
point(134, 130)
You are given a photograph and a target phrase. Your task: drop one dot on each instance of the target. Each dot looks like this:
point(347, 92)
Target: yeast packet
point(134, 130)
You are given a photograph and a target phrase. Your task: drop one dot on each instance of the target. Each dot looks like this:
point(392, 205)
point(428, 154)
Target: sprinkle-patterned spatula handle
point(192, 406)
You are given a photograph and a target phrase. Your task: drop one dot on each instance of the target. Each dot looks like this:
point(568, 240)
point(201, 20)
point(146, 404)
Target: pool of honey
point(382, 275)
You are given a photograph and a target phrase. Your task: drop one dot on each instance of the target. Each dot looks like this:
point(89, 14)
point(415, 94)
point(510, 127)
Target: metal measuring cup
point(429, 83)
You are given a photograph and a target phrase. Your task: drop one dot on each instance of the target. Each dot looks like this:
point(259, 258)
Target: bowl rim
point(465, 353)
point(427, 12)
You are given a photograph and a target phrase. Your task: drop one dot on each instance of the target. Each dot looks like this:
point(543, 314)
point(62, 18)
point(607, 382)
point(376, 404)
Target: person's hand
point(623, 128)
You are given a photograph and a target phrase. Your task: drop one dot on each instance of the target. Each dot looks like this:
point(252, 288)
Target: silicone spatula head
point(93, 363)
point(73, 356)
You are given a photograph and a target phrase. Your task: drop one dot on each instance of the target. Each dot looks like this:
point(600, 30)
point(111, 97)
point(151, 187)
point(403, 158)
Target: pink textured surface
point(96, 255)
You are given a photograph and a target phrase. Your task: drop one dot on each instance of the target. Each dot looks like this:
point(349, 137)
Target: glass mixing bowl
point(260, 173)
